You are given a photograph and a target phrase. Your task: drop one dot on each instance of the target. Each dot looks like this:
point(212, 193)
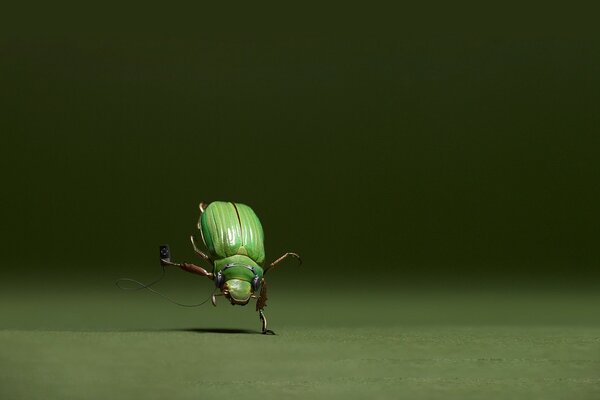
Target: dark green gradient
point(439, 157)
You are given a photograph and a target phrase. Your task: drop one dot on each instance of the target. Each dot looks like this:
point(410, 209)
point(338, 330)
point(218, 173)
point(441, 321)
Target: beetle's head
point(237, 291)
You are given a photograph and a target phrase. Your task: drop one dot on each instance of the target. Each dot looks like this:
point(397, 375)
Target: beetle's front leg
point(263, 319)
point(194, 269)
point(261, 303)
point(283, 257)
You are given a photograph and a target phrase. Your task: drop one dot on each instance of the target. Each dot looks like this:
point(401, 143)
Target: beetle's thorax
point(235, 275)
point(237, 259)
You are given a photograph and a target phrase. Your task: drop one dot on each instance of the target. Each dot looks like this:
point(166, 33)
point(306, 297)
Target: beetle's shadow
point(216, 330)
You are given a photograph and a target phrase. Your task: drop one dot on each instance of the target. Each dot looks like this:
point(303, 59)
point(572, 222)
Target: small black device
point(165, 254)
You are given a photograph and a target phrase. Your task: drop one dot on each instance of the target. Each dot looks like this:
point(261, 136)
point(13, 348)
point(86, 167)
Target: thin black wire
point(147, 286)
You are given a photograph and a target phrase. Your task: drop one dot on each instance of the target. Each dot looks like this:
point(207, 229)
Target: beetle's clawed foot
point(297, 257)
point(263, 319)
point(283, 257)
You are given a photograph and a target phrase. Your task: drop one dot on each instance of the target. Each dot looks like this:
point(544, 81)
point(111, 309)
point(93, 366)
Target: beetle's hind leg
point(198, 251)
point(202, 206)
point(263, 320)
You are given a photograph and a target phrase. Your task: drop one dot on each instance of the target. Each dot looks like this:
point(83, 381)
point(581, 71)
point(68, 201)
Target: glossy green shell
point(230, 229)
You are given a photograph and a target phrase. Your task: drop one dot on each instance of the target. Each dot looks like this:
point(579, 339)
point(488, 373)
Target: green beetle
point(234, 237)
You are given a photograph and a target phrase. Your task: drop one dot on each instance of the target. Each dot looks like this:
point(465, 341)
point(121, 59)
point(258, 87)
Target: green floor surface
point(439, 346)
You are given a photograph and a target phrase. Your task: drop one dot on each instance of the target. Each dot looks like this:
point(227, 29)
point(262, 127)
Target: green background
point(437, 172)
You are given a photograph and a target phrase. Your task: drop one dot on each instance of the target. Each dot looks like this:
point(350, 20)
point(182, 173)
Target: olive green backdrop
point(383, 151)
